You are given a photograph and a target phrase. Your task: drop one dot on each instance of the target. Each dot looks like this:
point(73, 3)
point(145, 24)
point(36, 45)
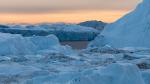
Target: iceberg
point(15, 44)
point(44, 42)
point(65, 32)
point(132, 30)
point(99, 25)
point(18, 45)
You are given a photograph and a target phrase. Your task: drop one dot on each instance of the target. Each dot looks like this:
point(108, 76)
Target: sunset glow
point(69, 11)
point(69, 17)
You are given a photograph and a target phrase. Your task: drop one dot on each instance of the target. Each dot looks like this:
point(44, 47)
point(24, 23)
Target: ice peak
point(132, 30)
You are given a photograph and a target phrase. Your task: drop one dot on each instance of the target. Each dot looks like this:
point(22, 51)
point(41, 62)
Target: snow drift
point(133, 30)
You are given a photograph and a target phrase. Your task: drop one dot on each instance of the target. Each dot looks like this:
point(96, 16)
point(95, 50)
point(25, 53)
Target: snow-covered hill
point(132, 30)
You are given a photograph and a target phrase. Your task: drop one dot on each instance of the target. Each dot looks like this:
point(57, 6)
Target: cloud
point(42, 6)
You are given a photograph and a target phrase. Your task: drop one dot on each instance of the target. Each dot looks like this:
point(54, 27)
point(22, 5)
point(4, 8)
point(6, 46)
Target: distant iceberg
point(99, 25)
point(65, 32)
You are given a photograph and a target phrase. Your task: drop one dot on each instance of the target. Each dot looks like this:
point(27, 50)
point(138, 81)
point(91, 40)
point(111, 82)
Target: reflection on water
point(76, 44)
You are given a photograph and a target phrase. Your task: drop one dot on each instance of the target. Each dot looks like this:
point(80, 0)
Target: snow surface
point(133, 30)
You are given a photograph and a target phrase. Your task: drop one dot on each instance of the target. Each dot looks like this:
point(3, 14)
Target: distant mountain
point(99, 25)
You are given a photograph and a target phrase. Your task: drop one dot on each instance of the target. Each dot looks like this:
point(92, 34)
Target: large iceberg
point(18, 45)
point(133, 30)
point(15, 44)
point(46, 42)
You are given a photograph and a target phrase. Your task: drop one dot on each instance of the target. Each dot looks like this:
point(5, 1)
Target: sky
point(70, 11)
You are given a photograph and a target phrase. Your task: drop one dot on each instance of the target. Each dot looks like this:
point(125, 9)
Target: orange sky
point(69, 17)
point(69, 11)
